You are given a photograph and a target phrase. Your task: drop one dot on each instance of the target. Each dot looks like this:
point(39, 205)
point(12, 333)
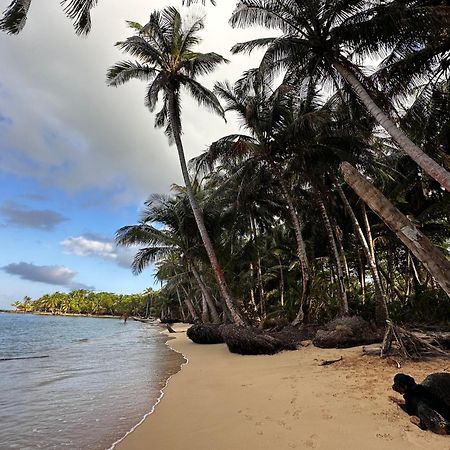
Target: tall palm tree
point(16, 14)
point(263, 113)
point(167, 60)
point(314, 44)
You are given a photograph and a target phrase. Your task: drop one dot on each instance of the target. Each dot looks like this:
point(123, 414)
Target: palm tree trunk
point(190, 305)
point(332, 241)
point(183, 315)
point(368, 230)
point(281, 282)
point(205, 314)
point(252, 290)
point(362, 278)
point(301, 250)
point(206, 295)
point(429, 166)
point(340, 245)
point(381, 311)
point(217, 269)
point(433, 259)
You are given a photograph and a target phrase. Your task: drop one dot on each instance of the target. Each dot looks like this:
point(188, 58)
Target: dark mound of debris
point(345, 332)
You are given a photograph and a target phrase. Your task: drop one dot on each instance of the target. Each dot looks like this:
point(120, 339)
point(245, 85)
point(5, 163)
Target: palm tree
point(263, 113)
point(164, 47)
point(16, 14)
point(430, 256)
point(312, 46)
point(176, 237)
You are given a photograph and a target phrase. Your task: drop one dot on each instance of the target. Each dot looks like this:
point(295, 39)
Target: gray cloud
point(81, 134)
point(55, 275)
point(100, 247)
point(42, 219)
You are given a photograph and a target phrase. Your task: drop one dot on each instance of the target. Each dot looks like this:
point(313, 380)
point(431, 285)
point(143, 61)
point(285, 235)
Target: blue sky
point(78, 158)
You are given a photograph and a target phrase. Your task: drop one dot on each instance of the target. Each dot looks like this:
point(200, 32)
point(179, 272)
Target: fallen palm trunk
point(205, 334)
point(253, 341)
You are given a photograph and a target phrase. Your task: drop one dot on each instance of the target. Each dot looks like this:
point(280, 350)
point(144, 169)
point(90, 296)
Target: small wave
point(162, 391)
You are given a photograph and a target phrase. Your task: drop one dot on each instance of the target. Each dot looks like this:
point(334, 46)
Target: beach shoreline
point(221, 401)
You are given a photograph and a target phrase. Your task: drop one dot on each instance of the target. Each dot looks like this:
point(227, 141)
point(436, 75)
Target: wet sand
point(222, 401)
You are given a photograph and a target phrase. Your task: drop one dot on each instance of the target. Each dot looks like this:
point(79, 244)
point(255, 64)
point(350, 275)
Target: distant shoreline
point(39, 313)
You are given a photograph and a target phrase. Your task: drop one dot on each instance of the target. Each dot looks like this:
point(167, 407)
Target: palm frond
point(15, 16)
point(79, 12)
point(203, 95)
point(125, 71)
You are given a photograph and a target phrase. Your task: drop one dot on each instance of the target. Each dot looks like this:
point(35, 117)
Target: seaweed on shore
point(202, 333)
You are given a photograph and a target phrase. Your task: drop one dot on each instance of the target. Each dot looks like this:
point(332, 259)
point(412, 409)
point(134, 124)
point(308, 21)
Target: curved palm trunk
point(381, 311)
point(432, 258)
point(190, 306)
point(205, 313)
point(301, 252)
point(429, 166)
point(340, 273)
point(217, 269)
point(183, 315)
point(206, 295)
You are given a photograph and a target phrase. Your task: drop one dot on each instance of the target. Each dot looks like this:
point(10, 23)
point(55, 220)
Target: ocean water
point(97, 380)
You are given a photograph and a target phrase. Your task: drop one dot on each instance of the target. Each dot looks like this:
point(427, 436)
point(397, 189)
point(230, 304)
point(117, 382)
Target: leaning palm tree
point(263, 113)
point(168, 62)
point(314, 43)
point(79, 11)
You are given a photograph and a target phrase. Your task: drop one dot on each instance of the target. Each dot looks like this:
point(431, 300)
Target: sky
point(79, 158)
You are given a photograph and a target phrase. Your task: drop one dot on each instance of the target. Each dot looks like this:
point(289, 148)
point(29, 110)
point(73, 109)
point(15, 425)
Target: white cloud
point(97, 246)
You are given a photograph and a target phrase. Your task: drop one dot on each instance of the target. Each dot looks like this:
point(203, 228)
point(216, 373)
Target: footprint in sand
point(310, 444)
point(386, 436)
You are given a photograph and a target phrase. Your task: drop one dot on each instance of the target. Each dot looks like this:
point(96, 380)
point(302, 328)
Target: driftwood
point(13, 358)
point(410, 344)
point(327, 362)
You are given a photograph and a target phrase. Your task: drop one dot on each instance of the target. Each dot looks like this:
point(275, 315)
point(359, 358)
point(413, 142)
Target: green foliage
point(87, 302)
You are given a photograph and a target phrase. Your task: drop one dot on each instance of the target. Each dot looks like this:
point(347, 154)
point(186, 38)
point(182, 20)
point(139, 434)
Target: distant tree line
point(149, 303)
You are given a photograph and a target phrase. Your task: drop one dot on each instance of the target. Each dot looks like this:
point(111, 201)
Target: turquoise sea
point(94, 380)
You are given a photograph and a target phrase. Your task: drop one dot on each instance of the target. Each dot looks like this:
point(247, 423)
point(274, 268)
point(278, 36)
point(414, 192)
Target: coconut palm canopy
point(330, 195)
point(79, 11)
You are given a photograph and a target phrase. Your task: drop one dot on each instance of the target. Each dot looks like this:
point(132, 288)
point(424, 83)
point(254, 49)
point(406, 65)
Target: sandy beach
point(222, 401)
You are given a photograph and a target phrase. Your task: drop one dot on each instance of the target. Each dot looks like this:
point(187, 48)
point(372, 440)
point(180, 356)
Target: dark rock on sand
point(346, 332)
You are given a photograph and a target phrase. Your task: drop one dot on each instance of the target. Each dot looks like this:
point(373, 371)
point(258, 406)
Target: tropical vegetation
point(284, 199)
point(94, 303)
point(332, 197)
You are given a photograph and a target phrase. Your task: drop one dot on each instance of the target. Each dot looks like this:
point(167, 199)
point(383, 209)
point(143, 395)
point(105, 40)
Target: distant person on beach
point(125, 318)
